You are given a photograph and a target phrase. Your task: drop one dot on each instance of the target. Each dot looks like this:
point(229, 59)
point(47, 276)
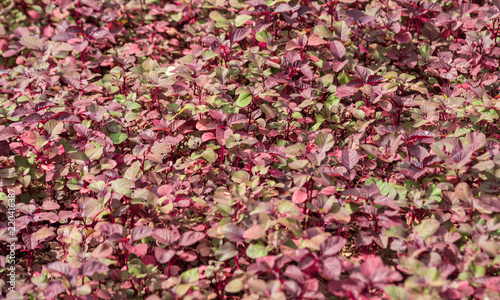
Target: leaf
point(89, 268)
point(102, 251)
point(209, 155)
point(233, 232)
point(397, 292)
point(220, 19)
point(357, 192)
point(324, 142)
point(165, 236)
point(342, 31)
point(331, 267)
point(349, 158)
point(298, 164)
point(122, 186)
point(295, 150)
point(239, 34)
point(374, 79)
point(363, 72)
point(140, 232)
point(299, 196)
point(234, 286)
point(323, 31)
point(420, 134)
point(315, 41)
point(233, 119)
point(427, 228)
point(337, 49)
point(44, 234)
point(190, 276)
point(281, 8)
point(254, 233)
point(353, 83)
point(288, 209)
point(256, 250)
point(73, 82)
point(191, 237)
point(226, 251)
point(240, 20)
point(208, 54)
point(332, 245)
point(403, 37)
point(31, 42)
point(244, 99)
point(61, 268)
point(163, 256)
point(118, 137)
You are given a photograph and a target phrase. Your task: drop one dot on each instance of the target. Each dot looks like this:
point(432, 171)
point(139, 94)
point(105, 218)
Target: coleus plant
point(249, 149)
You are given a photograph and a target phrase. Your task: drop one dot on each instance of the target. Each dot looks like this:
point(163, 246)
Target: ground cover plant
point(255, 149)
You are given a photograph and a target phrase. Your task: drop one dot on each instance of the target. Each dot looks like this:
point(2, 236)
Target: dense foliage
point(250, 150)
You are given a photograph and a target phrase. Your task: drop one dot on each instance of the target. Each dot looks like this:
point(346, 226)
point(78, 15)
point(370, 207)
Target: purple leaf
point(191, 237)
point(239, 34)
point(141, 232)
point(363, 72)
point(331, 267)
point(165, 236)
point(91, 267)
point(283, 7)
point(403, 37)
point(217, 115)
point(337, 48)
point(332, 245)
point(54, 288)
point(355, 83)
point(374, 79)
point(349, 158)
point(61, 268)
point(365, 20)
point(33, 118)
point(162, 255)
point(236, 119)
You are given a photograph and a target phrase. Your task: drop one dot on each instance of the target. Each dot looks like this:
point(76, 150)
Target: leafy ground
point(250, 150)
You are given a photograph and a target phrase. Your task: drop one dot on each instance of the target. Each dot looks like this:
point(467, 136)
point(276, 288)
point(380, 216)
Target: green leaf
point(93, 153)
point(122, 186)
point(341, 30)
point(298, 164)
point(288, 208)
point(323, 31)
point(397, 293)
point(425, 50)
point(117, 137)
point(190, 276)
point(234, 286)
point(208, 54)
point(427, 228)
point(324, 141)
point(226, 251)
point(31, 42)
point(182, 289)
point(244, 99)
point(220, 19)
point(256, 250)
point(54, 128)
point(240, 20)
point(343, 77)
point(240, 176)
point(209, 155)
